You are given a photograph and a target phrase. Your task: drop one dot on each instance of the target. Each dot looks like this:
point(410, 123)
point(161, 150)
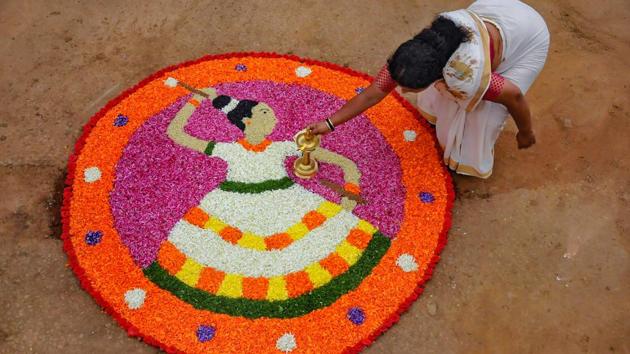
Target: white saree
point(467, 127)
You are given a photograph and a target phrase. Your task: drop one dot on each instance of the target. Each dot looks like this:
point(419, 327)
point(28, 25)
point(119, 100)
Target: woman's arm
point(176, 130)
point(357, 105)
point(513, 99)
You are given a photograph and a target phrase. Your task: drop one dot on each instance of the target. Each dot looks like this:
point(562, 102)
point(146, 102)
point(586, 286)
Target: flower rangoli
point(184, 220)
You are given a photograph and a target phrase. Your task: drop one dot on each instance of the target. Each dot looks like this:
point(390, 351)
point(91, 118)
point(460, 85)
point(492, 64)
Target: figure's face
point(262, 122)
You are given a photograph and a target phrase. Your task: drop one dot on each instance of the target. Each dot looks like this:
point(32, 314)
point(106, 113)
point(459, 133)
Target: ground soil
point(538, 256)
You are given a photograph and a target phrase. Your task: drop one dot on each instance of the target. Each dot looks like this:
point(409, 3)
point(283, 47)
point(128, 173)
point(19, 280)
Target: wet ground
point(538, 256)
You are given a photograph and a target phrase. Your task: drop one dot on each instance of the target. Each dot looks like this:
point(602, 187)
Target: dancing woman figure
point(258, 213)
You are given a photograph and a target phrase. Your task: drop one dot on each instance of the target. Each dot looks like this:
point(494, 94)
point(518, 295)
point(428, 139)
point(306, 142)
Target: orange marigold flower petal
point(278, 241)
point(352, 188)
point(359, 238)
point(334, 264)
point(313, 219)
point(298, 283)
point(255, 288)
point(231, 234)
point(170, 258)
point(210, 280)
point(196, 216)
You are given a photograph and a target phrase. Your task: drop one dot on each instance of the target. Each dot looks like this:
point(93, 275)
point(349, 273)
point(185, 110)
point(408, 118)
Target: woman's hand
point(319, 128)
point(514, 100)
point(357, 105)
point(525, 139)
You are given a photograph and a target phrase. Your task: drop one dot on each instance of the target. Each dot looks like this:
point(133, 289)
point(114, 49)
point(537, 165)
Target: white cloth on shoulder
point(467, 127)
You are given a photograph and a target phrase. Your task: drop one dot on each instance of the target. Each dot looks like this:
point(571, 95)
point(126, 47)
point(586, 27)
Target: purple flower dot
point(205, 333)
point(121, 120)
point(92, 238)
point(358, 90)
point(427, 197)
point(356, 315)
point(240, 67)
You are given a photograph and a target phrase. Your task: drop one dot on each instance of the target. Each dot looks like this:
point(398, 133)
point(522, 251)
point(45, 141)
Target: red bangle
point(352, 188)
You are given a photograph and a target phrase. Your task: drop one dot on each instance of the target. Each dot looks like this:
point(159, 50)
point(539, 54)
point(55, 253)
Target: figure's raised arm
point(176, 129)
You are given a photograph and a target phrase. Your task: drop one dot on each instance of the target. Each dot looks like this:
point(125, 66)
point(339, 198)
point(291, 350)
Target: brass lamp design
point(306, 166)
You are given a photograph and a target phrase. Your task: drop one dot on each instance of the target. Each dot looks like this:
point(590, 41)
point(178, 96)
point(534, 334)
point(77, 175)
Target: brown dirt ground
point(537, 255)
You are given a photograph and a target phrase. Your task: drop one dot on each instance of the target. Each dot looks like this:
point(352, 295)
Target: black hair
point(242, 110)
point(419, 61)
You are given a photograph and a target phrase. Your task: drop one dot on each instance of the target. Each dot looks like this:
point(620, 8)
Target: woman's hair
point(419, 61)
point(236, 115)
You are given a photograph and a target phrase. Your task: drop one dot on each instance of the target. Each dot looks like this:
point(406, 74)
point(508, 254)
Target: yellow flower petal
point(317, 274)
point(232, 286)
point(190, 272)
point(249, 240)
point(277, 289)
point(297, 231)
point(348, 252)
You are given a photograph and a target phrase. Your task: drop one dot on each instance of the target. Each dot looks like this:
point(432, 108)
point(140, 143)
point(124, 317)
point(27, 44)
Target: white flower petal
point(135, 298)
point(263, 213)
point(171, 82)
point(286, 343)
point(253, 167)
point(303, 71)
point(91, 174)
point(407, 263)
point(410, 135)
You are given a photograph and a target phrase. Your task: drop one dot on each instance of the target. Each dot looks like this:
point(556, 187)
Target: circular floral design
point(197, 236)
